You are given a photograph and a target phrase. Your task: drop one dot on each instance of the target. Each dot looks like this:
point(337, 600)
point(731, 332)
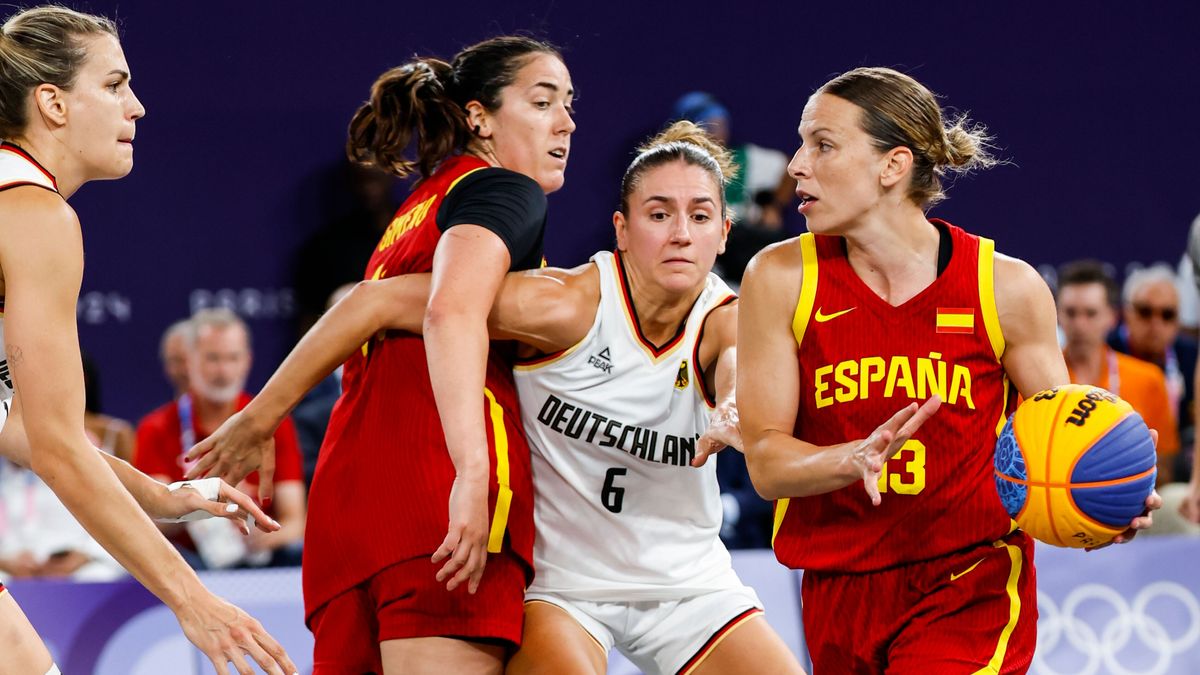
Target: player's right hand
point(869, 455)
point(233, 451)
point(226, 635)
point(467, 536)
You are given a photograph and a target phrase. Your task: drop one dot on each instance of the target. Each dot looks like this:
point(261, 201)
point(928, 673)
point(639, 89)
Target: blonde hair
point(899, 111)
point(41, 46)
point(686, 142)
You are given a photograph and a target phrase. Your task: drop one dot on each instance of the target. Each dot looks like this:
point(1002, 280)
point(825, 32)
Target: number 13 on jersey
point(904, 473)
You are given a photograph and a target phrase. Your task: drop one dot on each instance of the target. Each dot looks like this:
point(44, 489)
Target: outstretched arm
point(41, 254)
point(549, 309)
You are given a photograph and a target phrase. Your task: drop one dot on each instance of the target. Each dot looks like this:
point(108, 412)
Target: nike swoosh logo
point(822, 318)
point(966, 571)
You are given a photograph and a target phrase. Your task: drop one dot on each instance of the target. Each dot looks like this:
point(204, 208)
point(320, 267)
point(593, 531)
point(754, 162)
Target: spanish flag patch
point(956, 320)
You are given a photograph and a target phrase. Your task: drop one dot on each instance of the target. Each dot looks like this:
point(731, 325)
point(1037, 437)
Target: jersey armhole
point(808, 286)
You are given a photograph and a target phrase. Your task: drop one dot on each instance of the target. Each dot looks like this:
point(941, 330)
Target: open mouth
point(559, 153)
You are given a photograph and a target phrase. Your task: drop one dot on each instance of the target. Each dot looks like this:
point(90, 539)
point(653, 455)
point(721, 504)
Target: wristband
point(209, 488)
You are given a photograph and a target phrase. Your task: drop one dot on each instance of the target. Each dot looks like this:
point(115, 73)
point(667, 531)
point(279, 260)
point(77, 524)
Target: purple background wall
point(1095, 106)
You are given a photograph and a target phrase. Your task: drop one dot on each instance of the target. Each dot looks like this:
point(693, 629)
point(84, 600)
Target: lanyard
point(187, 433)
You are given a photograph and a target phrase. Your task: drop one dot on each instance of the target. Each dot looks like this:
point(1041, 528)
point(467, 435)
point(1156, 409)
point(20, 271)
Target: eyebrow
point(668, 200)
point(552, 87)
point(124, 75)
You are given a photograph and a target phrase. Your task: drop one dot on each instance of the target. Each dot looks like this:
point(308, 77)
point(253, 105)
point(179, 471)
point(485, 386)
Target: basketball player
point(629, 357)
point(876, 307)
point(492, 131)
point(68, 116)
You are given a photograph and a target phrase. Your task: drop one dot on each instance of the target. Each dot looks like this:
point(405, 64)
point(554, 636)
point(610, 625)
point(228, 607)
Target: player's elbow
point(53, 452)
point(762, 477)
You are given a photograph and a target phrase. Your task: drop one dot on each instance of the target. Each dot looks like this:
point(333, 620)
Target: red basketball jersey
point(861, 360)
point(380, 490)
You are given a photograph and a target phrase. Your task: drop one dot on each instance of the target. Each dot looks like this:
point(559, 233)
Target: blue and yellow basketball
point(1074, 464)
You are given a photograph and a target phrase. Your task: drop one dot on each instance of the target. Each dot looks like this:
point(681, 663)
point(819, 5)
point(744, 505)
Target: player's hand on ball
point(869, 456)
point(723, 431)
point(467, 536)
point(226, 635)
point(238, 447)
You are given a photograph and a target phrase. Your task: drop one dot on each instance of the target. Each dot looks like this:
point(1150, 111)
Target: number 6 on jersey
point(612, 496)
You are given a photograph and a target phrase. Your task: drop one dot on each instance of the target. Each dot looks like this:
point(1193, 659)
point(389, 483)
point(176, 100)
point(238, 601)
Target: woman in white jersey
point(629, 358)
point(67, 116)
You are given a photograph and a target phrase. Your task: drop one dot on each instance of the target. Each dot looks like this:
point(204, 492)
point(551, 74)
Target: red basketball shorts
point(968, 611)
point(406, 601)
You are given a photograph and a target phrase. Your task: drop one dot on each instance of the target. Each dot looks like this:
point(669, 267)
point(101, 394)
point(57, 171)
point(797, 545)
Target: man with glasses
point(1086, 303)
point(1151, 333)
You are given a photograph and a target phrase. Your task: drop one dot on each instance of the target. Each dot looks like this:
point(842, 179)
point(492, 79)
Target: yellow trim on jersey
point(1003, 408)
point(459, 179)
point(1014, 608)
point(504, 494)
point(987, 295)
point(781, 507)
point(808, 286)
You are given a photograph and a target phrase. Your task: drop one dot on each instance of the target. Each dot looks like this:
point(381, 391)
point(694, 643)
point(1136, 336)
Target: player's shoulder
point(30, 209)
point(781, 259)
point(1019, 288)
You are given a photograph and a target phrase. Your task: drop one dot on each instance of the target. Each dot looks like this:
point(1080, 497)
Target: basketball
point(1074, 465)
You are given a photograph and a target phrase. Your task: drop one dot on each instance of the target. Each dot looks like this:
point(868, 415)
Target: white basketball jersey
point(16, 169)
point(612, 425)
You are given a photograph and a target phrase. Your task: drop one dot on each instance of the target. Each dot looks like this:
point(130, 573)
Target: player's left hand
point(230, 503)
point(465, 547)
point(723, 431)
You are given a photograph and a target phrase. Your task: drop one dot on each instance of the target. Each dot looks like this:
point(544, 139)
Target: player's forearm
point(782, 466)
point(456, 348)
point(345, 328)
point(109, 513)
point(144, 489)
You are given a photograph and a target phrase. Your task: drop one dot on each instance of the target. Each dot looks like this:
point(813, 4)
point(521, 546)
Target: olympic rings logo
point(1105, 646)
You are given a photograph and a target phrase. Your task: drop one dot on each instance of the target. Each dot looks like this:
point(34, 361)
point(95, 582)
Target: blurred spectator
point(758, 194)
point(40, 538)
point(218, 344)
point(1151, 333)
point(110, 434)
point(311, 414)
point(173, 352)
point(748, 518)
point(338, 253)
point(1086, 299)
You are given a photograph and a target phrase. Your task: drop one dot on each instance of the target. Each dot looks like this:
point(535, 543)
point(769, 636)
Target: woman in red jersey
point(67, 115)
point(427, 429)
point(881, 309)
